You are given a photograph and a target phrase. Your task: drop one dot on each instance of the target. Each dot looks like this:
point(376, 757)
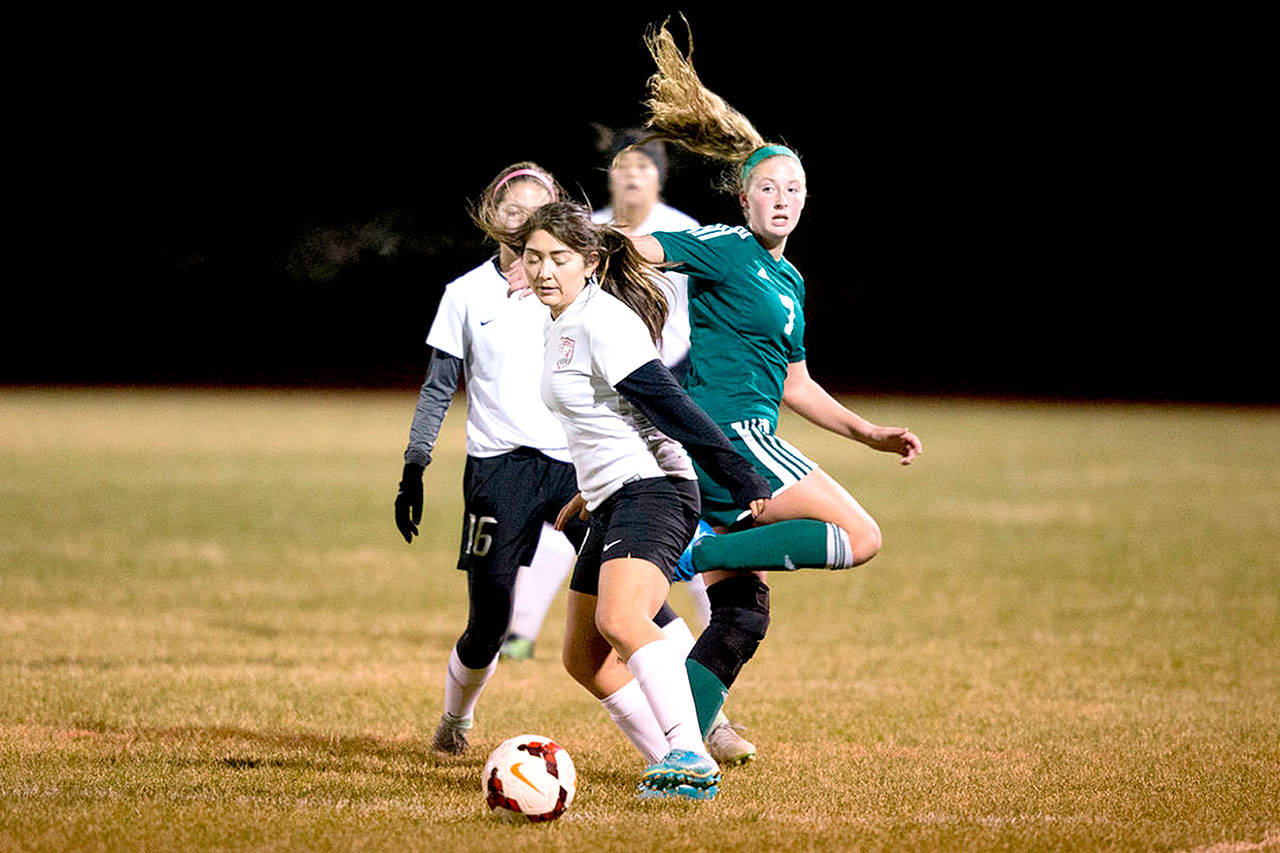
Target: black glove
point(409, 501)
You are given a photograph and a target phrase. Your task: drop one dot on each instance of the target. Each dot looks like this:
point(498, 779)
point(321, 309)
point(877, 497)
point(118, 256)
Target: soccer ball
point(529, 777)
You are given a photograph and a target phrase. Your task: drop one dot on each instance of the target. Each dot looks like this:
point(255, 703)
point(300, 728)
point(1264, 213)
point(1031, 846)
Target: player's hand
point(899, 440)
point(516, 281)
point(751, 491)
point(576, 506)
point(409, 501)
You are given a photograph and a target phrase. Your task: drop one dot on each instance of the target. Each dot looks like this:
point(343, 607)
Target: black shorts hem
point(651, 519)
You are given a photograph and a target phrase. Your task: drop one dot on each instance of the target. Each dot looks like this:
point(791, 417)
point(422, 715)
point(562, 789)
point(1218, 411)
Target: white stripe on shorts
point(784, 461)
point(787, 454)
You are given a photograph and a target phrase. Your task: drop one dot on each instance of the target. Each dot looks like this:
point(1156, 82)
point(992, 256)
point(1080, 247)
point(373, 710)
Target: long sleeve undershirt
point(433, 402)
point(653, 390)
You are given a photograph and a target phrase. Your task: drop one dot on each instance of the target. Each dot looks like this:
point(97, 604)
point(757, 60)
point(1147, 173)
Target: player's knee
point(739, 622)
point(864, 539)
point(742, 604)
point(618, 624)
point(578, 664)
point(862, 535)
point(477, 649)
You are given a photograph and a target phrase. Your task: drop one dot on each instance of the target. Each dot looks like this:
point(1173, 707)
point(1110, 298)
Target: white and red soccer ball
point(529, 777)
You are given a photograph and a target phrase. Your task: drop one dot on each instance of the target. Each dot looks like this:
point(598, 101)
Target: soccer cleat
point(728, 747)
point(451, 736)
point(516, 647)
point(684, 566)
point(681, 768)
point(682, 792)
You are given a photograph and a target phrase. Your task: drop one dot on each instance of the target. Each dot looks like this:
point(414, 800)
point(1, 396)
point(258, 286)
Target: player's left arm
point(804, 396)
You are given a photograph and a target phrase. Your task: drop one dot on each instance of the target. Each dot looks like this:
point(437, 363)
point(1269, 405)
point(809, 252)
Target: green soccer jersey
point(746, 320)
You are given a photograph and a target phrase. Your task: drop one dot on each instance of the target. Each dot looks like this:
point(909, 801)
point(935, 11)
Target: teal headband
point(764, 153)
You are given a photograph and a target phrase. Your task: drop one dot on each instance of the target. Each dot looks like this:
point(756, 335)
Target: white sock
point(659, 667)
point(538, 583)
point(698, 594)
point(462, 686)
point(677, 629)
point(629, 709)
point(839, 551)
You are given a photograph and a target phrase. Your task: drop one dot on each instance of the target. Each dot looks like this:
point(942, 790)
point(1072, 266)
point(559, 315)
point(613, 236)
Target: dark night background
point(1013, 207)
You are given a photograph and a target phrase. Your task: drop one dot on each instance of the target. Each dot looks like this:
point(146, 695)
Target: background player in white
point(518, 467)
point(628, 425)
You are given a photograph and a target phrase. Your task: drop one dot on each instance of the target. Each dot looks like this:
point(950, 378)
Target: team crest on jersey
point(566, 352)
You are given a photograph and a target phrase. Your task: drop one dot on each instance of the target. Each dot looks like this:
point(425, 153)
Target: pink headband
point(532, 173)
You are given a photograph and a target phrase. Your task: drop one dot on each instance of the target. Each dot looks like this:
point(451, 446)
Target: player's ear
point(593, 263)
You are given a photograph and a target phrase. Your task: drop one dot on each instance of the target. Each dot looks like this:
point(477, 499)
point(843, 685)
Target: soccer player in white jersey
point(637, 173)
point(518, 471)
point(631, 431)
point(635, 185)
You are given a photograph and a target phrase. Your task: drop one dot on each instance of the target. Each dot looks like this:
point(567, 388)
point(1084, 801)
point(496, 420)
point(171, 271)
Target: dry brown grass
point(211, 637)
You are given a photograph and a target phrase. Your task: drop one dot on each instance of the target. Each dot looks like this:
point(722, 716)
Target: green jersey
point(746, 320)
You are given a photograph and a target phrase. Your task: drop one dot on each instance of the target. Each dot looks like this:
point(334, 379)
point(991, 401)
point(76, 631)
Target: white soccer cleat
point(728, 747)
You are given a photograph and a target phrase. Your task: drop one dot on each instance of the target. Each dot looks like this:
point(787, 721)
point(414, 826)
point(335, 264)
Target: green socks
point(709, 694)
point(801, 543)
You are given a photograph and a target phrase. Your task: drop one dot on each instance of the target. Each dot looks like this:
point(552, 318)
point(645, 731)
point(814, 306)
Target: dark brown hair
point(622, 271)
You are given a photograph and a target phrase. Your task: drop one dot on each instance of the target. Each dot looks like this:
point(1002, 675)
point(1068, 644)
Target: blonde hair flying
point(684, 111)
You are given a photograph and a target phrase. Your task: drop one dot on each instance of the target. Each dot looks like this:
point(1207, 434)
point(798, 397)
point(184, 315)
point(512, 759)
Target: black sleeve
point(433, 402)
point(653, 390)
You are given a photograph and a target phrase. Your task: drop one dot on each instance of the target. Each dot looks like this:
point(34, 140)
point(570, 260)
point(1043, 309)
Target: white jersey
point(594, 344)
point(675, 334)
point(499, 340)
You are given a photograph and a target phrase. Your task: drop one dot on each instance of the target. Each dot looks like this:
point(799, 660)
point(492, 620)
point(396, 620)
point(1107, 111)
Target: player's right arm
point(648, 247)
point(433, 402)
point(655, 393)
point(708, 252)
point(448, 341)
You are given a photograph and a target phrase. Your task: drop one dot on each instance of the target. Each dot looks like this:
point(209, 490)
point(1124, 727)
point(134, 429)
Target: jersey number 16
point(477, 541)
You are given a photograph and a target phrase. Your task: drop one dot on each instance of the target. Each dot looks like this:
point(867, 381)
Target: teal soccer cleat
point(681, 768)
point(679, 792)
point(684, 566)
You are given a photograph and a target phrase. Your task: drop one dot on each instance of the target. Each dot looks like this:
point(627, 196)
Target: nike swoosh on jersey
point(487, 322)
point(609, 545)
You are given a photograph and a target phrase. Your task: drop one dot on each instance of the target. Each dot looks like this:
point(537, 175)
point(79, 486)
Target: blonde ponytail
point(684, 111)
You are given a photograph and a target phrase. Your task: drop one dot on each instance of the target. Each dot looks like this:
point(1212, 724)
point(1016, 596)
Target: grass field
point(212, 637)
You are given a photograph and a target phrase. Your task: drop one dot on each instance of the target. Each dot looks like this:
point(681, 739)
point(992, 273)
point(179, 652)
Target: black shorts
point(506, 500)
point(651, 519)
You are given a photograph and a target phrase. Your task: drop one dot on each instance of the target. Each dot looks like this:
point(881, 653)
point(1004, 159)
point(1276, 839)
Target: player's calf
point(739, 622)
